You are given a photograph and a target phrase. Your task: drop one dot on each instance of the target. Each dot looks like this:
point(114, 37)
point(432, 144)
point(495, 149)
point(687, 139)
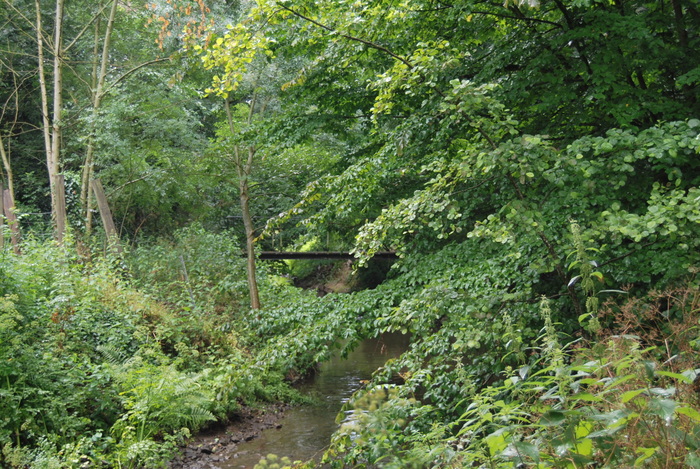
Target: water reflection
point(306, 430)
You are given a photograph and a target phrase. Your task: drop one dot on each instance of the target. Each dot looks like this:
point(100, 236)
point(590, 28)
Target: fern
point(112, 354)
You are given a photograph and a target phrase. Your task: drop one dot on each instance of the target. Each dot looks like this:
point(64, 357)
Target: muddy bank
point(211, 448)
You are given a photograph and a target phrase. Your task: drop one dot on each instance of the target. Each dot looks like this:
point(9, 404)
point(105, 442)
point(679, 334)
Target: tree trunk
point(243, 168)
point(7, 167)
point(85, 189)
point(60, 184)
point(5, 153)
point(680, 23)
point(249, 242)
point(52, 129)
point(106, 214)
point(46, 127)
point(98, 90)
point(57, 124)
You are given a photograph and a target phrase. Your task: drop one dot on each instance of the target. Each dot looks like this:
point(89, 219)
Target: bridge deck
point(275, 255)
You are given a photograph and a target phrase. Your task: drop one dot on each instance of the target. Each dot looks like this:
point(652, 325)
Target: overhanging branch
point(136, 68)
point(348, 36)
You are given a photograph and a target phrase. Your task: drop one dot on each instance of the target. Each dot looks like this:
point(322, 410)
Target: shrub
point(620, 400)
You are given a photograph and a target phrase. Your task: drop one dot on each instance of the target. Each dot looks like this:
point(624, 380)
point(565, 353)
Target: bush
point(620, 400)
point(94, 370)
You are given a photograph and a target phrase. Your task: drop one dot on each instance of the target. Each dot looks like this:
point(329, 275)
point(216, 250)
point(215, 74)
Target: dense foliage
point(533, 164)
point(95, 372)
point(507, 152)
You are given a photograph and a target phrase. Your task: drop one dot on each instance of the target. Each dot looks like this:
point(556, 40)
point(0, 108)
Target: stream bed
point(304, 432)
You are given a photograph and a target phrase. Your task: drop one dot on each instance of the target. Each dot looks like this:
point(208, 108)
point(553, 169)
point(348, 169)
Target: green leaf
point(614, 417)
point(586, 396)
point(646, 454)
point(677, 376)
point(693, 460)
point(605, 432)
point(583, 429)
point(552, 418)
point(620, 380)
point(523, 371)
point(497, 441)
point(585, 447)
point(689, 412)
point(521, 449)
point(664, 408)
point(528, 449)
point(629, 395)
point(664, 392)
point(649, 368)
point(691, 374)
point(573, 281)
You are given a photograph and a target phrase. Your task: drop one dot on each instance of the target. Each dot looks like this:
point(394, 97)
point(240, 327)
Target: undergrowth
point(116, 362)
point(104, 365)
point(626, 397)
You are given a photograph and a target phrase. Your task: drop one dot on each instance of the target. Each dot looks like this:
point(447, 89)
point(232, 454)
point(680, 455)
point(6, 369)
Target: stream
point(305, 431)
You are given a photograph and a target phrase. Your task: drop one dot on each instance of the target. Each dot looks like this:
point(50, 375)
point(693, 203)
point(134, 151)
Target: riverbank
point(216, 446)
point(297, 432)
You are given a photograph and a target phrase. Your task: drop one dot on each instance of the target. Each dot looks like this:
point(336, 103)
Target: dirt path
point(210, 448)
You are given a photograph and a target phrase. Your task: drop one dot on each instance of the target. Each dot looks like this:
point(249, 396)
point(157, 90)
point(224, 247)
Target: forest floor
point(210, 448)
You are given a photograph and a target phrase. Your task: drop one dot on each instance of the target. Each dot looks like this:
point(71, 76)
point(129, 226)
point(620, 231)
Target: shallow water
point(306, 430)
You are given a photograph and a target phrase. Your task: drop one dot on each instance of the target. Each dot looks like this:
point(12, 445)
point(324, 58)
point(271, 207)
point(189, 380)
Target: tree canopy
point(534, 164)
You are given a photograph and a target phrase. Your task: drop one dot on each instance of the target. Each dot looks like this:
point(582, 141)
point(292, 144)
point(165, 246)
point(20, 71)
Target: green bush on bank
point(94, 371)
point(629, 398)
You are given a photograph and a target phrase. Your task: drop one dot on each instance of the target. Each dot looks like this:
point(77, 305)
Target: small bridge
point(281, 255)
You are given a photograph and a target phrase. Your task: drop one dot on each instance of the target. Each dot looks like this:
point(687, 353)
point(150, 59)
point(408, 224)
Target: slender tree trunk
point(244, 195)
point(85, 189)
point(9, 210)
point(7, 167)
point(680, 23)
point(60, 184)
point(46, 127)
point(243, 169)
point(52, 129)
point(106, 214)
point(57, 124)
point(98, 91)
point(5, 152)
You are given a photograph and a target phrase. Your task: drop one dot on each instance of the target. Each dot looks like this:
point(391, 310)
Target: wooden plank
point(2, 216)
point(60, 186)
point(280, 255)
point(9, 209)
point(106, 215)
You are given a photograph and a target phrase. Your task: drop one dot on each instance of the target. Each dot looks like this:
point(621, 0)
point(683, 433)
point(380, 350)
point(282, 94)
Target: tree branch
point(520, 18)
point(627, 254)
point(116, 189)
point(87, 25)
point(347, 36)
point(135, 69)
point(25, 18)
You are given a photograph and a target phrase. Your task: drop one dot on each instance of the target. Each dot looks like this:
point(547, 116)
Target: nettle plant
point(623, 399)
point(613, 402)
